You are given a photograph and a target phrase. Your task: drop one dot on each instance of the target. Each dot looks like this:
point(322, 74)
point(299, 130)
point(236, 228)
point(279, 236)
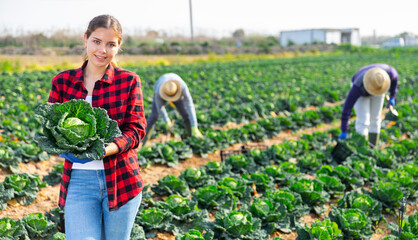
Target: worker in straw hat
point(367, 93)
point(170, 88)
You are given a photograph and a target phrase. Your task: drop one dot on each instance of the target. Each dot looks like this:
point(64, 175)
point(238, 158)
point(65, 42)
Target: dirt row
point(48, 196)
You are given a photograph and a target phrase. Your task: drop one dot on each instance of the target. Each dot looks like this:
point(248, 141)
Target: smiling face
point(102, 46)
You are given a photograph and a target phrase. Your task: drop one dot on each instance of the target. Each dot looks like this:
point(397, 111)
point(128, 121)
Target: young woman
point(369, 86)
point(101, 198)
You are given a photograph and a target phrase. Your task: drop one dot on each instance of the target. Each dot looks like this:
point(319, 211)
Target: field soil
point(48, 196)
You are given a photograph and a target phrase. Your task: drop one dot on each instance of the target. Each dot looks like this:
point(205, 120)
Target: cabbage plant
point(240, 163)
point(320, 230)
point(38, 226)
point(261, 181)
point(8, 160)
point(332, 185)
point(183, 208)
point(75, 127)
point(10, 229)
point(282, 172)
point(155, 219)
point(54, 177)
point(238, 186)
point(388, 193)
point(353, 222)
point(194, 234)
point(185, 213)
point(371, 207)
point(196, 177)
point(238, 225)
point(217, 169)
point(273, 215)
point(171, 184)
point(23, 187)
point(215, 197)
point(312, 192)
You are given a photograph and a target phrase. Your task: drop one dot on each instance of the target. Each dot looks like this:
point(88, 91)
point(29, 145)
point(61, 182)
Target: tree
point(239, 34)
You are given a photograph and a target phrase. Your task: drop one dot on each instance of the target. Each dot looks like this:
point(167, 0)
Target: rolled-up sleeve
point(352, 98)
point(393, 82)
point(134, 123)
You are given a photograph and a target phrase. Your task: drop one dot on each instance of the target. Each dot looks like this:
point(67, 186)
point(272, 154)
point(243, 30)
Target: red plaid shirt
point(119, 92)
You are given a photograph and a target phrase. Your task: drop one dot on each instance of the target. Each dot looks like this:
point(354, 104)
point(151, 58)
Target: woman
point(170, 87)
point(101, 198)
point(369, 86)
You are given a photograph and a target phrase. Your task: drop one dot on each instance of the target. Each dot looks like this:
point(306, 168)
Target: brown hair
point(108, 22)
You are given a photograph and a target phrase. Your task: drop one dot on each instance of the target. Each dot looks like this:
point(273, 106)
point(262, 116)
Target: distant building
point(410, 39)
point(403, 40)
point(394, 42)
point(324, 35)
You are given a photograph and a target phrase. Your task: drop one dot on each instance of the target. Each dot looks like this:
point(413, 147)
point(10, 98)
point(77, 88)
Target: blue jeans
point(87, 215)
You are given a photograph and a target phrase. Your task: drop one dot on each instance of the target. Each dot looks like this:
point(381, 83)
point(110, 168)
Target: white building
point(404, 40)
point(410, 40)
point(394, 42)
point(324, 35)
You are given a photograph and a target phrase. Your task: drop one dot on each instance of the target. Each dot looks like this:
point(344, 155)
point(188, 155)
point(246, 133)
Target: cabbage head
point(75, 127)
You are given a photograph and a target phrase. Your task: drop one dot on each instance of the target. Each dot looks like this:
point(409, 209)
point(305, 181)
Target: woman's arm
point(134, 123)
point(393, 82)
point(189, 106)
point(351, 99)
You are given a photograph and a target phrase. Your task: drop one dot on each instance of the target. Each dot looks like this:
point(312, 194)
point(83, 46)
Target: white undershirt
point(93, 165)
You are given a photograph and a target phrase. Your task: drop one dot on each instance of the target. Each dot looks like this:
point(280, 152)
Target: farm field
point(284, 183)
point(21, 63)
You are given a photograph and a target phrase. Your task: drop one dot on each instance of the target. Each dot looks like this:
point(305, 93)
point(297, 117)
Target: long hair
point(108, 22)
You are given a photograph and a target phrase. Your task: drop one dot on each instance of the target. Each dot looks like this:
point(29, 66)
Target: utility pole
point(374, 36)
point(191, 20)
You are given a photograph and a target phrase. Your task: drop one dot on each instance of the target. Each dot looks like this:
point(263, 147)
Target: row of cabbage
point(252, 204)
point(251, 196)
point(167, 153)
point(24, 187)
point(222, 92)
point(171, 152)
point(244, 91)
point(18, 137)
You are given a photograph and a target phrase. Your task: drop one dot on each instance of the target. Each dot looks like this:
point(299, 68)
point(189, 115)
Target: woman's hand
point(342, 136)
point(196, 132)
point(111, 149)
point(391, 102)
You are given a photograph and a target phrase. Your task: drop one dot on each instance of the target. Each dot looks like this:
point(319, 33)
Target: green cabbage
point(75, 127)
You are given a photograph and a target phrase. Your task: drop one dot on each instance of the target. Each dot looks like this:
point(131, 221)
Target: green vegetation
point(75, 127)
point(252, 194)
point(23, 187)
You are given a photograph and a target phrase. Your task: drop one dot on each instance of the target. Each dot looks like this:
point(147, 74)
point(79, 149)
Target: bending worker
point(367, 93)
point(170, 87)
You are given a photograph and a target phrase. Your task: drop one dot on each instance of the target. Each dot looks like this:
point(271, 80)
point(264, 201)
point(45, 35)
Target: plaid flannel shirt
point(119, 92)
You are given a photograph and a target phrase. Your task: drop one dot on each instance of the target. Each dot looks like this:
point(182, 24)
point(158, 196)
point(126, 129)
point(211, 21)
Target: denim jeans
point(87, 215)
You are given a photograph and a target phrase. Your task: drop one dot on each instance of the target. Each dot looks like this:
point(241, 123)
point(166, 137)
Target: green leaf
point(75, 127)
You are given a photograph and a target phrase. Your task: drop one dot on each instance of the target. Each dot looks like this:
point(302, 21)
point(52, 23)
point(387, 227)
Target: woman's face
point(102, 47)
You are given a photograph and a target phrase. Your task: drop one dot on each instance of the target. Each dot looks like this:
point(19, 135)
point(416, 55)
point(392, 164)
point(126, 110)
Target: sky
point(213, 17)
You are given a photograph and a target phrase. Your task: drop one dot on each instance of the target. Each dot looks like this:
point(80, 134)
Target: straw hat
point(376, 81)
point(170, 90)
